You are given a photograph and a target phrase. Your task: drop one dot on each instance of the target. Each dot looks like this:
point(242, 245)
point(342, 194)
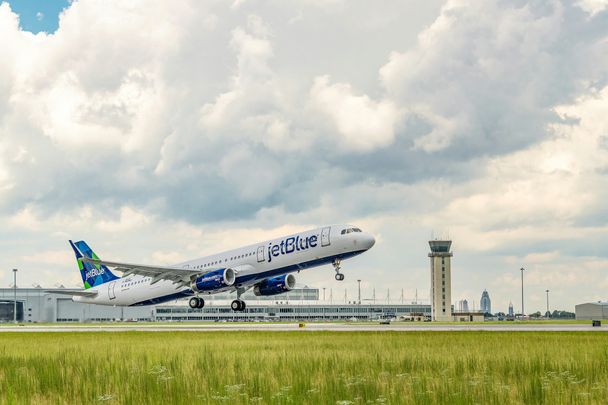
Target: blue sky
point(161, 131)
point(38, 15)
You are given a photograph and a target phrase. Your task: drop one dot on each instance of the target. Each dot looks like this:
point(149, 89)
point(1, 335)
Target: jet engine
point(275, 285)
point(214, 280)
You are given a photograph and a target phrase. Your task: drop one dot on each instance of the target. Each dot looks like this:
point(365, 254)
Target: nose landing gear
point(336, 264)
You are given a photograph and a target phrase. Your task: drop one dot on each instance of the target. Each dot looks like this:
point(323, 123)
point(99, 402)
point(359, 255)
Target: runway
point(284, 327)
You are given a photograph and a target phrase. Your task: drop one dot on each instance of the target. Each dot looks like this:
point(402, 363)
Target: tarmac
point(283, 327)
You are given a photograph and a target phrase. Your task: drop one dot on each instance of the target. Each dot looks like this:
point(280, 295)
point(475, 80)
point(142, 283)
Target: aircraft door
point(325, 236)
point(261, 256)
point(111, 292)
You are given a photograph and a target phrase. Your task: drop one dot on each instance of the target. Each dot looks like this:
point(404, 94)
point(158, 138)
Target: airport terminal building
point(299, 304)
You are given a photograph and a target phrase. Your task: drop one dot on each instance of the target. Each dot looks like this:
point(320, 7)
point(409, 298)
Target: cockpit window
point(349, 230)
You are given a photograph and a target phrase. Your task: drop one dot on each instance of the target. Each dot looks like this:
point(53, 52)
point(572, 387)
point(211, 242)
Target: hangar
point(592, 311)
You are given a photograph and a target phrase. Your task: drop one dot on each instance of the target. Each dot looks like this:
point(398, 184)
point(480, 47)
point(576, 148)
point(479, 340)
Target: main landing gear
point(196, 302)
point(238, 305)
point(336, 264)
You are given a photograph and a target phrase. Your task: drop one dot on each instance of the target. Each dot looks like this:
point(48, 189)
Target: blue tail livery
point(92, 274)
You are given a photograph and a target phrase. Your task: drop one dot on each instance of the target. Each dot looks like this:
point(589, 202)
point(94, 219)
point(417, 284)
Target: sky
point(39, 15)
point(161, 131)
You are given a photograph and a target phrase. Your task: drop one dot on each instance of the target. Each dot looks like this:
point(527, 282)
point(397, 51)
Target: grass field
point(304, 367)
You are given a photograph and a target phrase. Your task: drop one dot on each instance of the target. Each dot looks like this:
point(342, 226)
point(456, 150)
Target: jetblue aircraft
point(266, 267)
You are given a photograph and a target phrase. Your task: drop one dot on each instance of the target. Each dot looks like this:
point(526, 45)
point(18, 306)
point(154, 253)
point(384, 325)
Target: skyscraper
point(511, 309)
point(463, 306)
point(485, 305)
point(441, 280)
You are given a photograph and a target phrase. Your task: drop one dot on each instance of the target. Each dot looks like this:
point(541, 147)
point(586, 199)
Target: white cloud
point(129, 219)
point(362, 123)
point(593, 6)
point(483, 82)
point(51, 257)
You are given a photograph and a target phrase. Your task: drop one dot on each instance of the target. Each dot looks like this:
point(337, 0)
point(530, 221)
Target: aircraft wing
point(79, 292)
point(178, 275)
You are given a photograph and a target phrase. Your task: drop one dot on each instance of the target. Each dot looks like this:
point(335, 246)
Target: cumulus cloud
point(487, 85)
point(593, 6)
point(364, 124)
point(191, 128)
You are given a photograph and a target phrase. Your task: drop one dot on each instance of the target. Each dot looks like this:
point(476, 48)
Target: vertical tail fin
point(92, 274)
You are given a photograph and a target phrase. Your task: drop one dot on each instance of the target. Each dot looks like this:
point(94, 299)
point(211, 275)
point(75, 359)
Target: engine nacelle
point(276, 285)
point(214, 280)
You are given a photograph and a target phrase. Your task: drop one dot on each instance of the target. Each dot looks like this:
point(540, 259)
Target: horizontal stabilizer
point(79, 292)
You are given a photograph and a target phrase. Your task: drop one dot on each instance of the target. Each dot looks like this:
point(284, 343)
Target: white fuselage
point(252, 264)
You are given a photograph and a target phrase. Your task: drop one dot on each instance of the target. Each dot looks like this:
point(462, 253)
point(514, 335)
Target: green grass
point(303, 367)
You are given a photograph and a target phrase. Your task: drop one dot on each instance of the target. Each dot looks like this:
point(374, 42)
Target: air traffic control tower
point(441, 280)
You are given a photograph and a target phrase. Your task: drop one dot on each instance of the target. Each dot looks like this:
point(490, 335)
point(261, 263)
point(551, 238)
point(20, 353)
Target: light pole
point(522, 293)
point(548, 313)
point(359, 300)
point(15, 295)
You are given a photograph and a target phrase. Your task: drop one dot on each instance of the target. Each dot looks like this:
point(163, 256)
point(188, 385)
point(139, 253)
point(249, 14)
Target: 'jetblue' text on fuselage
point(290, 245)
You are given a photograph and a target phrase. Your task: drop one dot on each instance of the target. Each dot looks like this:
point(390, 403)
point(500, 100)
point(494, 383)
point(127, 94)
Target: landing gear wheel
point(336, 264)
point(196, 302)
point(238, 305)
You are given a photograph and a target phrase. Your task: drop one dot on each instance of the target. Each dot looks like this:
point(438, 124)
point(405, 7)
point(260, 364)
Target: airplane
point(267, 267)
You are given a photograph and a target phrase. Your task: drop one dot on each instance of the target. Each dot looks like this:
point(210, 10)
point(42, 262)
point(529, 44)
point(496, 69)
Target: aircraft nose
point(368, 241)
